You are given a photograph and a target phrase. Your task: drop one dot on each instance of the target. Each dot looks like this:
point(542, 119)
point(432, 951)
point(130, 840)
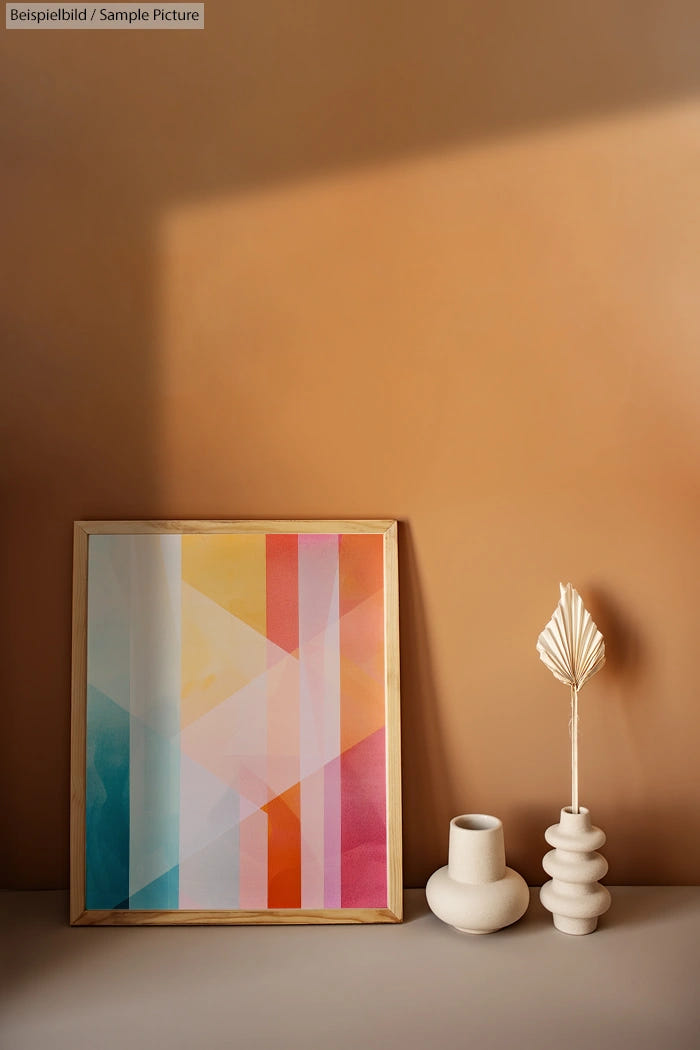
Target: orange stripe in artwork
point(284, 850)
point(283, 591)
point(361, 560)
point(361, 569)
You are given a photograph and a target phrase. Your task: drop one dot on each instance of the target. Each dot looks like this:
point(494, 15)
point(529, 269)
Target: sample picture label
point(104, 16)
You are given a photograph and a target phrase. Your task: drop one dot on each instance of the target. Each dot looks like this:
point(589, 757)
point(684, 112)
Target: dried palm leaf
point(572, 647)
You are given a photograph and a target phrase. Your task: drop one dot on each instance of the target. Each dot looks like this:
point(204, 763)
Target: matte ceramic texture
point(475, 892)
point(573, 894)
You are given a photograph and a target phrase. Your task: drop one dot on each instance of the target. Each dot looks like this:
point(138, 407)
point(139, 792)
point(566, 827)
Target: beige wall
point(413, 260)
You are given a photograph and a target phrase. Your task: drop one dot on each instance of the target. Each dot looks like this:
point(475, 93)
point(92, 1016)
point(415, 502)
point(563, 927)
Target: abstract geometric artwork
point(235, 746)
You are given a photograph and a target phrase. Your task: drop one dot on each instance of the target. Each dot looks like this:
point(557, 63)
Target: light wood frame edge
point(278, 525)
point(276, 916)
point(392, 689)
point(79, 915)
point(78, 723)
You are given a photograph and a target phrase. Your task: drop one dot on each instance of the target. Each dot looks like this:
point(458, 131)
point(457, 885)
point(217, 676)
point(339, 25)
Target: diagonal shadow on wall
point(102, 133)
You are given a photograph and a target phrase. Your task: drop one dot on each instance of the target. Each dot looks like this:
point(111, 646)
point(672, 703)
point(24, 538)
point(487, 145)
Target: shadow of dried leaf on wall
point(624, 651)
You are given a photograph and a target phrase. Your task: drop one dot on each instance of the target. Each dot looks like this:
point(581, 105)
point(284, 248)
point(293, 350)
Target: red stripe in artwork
point(282, 563)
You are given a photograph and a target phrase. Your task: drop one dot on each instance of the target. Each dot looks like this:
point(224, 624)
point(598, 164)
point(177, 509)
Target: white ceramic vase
point(573, 894)
point(476, 892)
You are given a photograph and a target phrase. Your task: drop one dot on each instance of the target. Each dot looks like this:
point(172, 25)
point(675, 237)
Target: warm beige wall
point(377, 260)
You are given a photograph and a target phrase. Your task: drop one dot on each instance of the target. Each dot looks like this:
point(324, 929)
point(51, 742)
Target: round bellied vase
point(475, 892)
point(573, 894)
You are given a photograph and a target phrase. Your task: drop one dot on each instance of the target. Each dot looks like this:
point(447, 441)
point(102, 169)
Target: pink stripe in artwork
point(363, 836)
point(318, 685)
point(318, 573)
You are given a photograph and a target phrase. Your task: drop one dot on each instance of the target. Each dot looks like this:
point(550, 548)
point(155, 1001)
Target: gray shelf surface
point(634, 983)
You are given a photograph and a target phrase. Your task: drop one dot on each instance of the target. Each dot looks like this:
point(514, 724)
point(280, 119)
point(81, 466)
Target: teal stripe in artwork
point(107, 770)
point(107, 803)
point(161, 893)
point(133, 722)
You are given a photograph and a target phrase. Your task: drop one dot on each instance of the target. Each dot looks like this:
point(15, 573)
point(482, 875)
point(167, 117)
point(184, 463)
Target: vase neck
point(476, 852)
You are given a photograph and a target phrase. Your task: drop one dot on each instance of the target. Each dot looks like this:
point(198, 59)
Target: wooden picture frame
point(235, 741)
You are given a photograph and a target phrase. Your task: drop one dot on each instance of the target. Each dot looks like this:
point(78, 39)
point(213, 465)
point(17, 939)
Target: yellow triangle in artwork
point(230, 570)
point(220, 655)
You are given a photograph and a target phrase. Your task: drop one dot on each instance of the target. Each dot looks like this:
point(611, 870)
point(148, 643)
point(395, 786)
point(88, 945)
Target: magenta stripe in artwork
point(363, 832)
point(331, 834)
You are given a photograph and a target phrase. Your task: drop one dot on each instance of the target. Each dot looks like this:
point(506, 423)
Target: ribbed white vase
point(573, 894)
point(475, 892)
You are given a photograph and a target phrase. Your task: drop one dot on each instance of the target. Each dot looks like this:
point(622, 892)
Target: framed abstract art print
point(235, 750)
